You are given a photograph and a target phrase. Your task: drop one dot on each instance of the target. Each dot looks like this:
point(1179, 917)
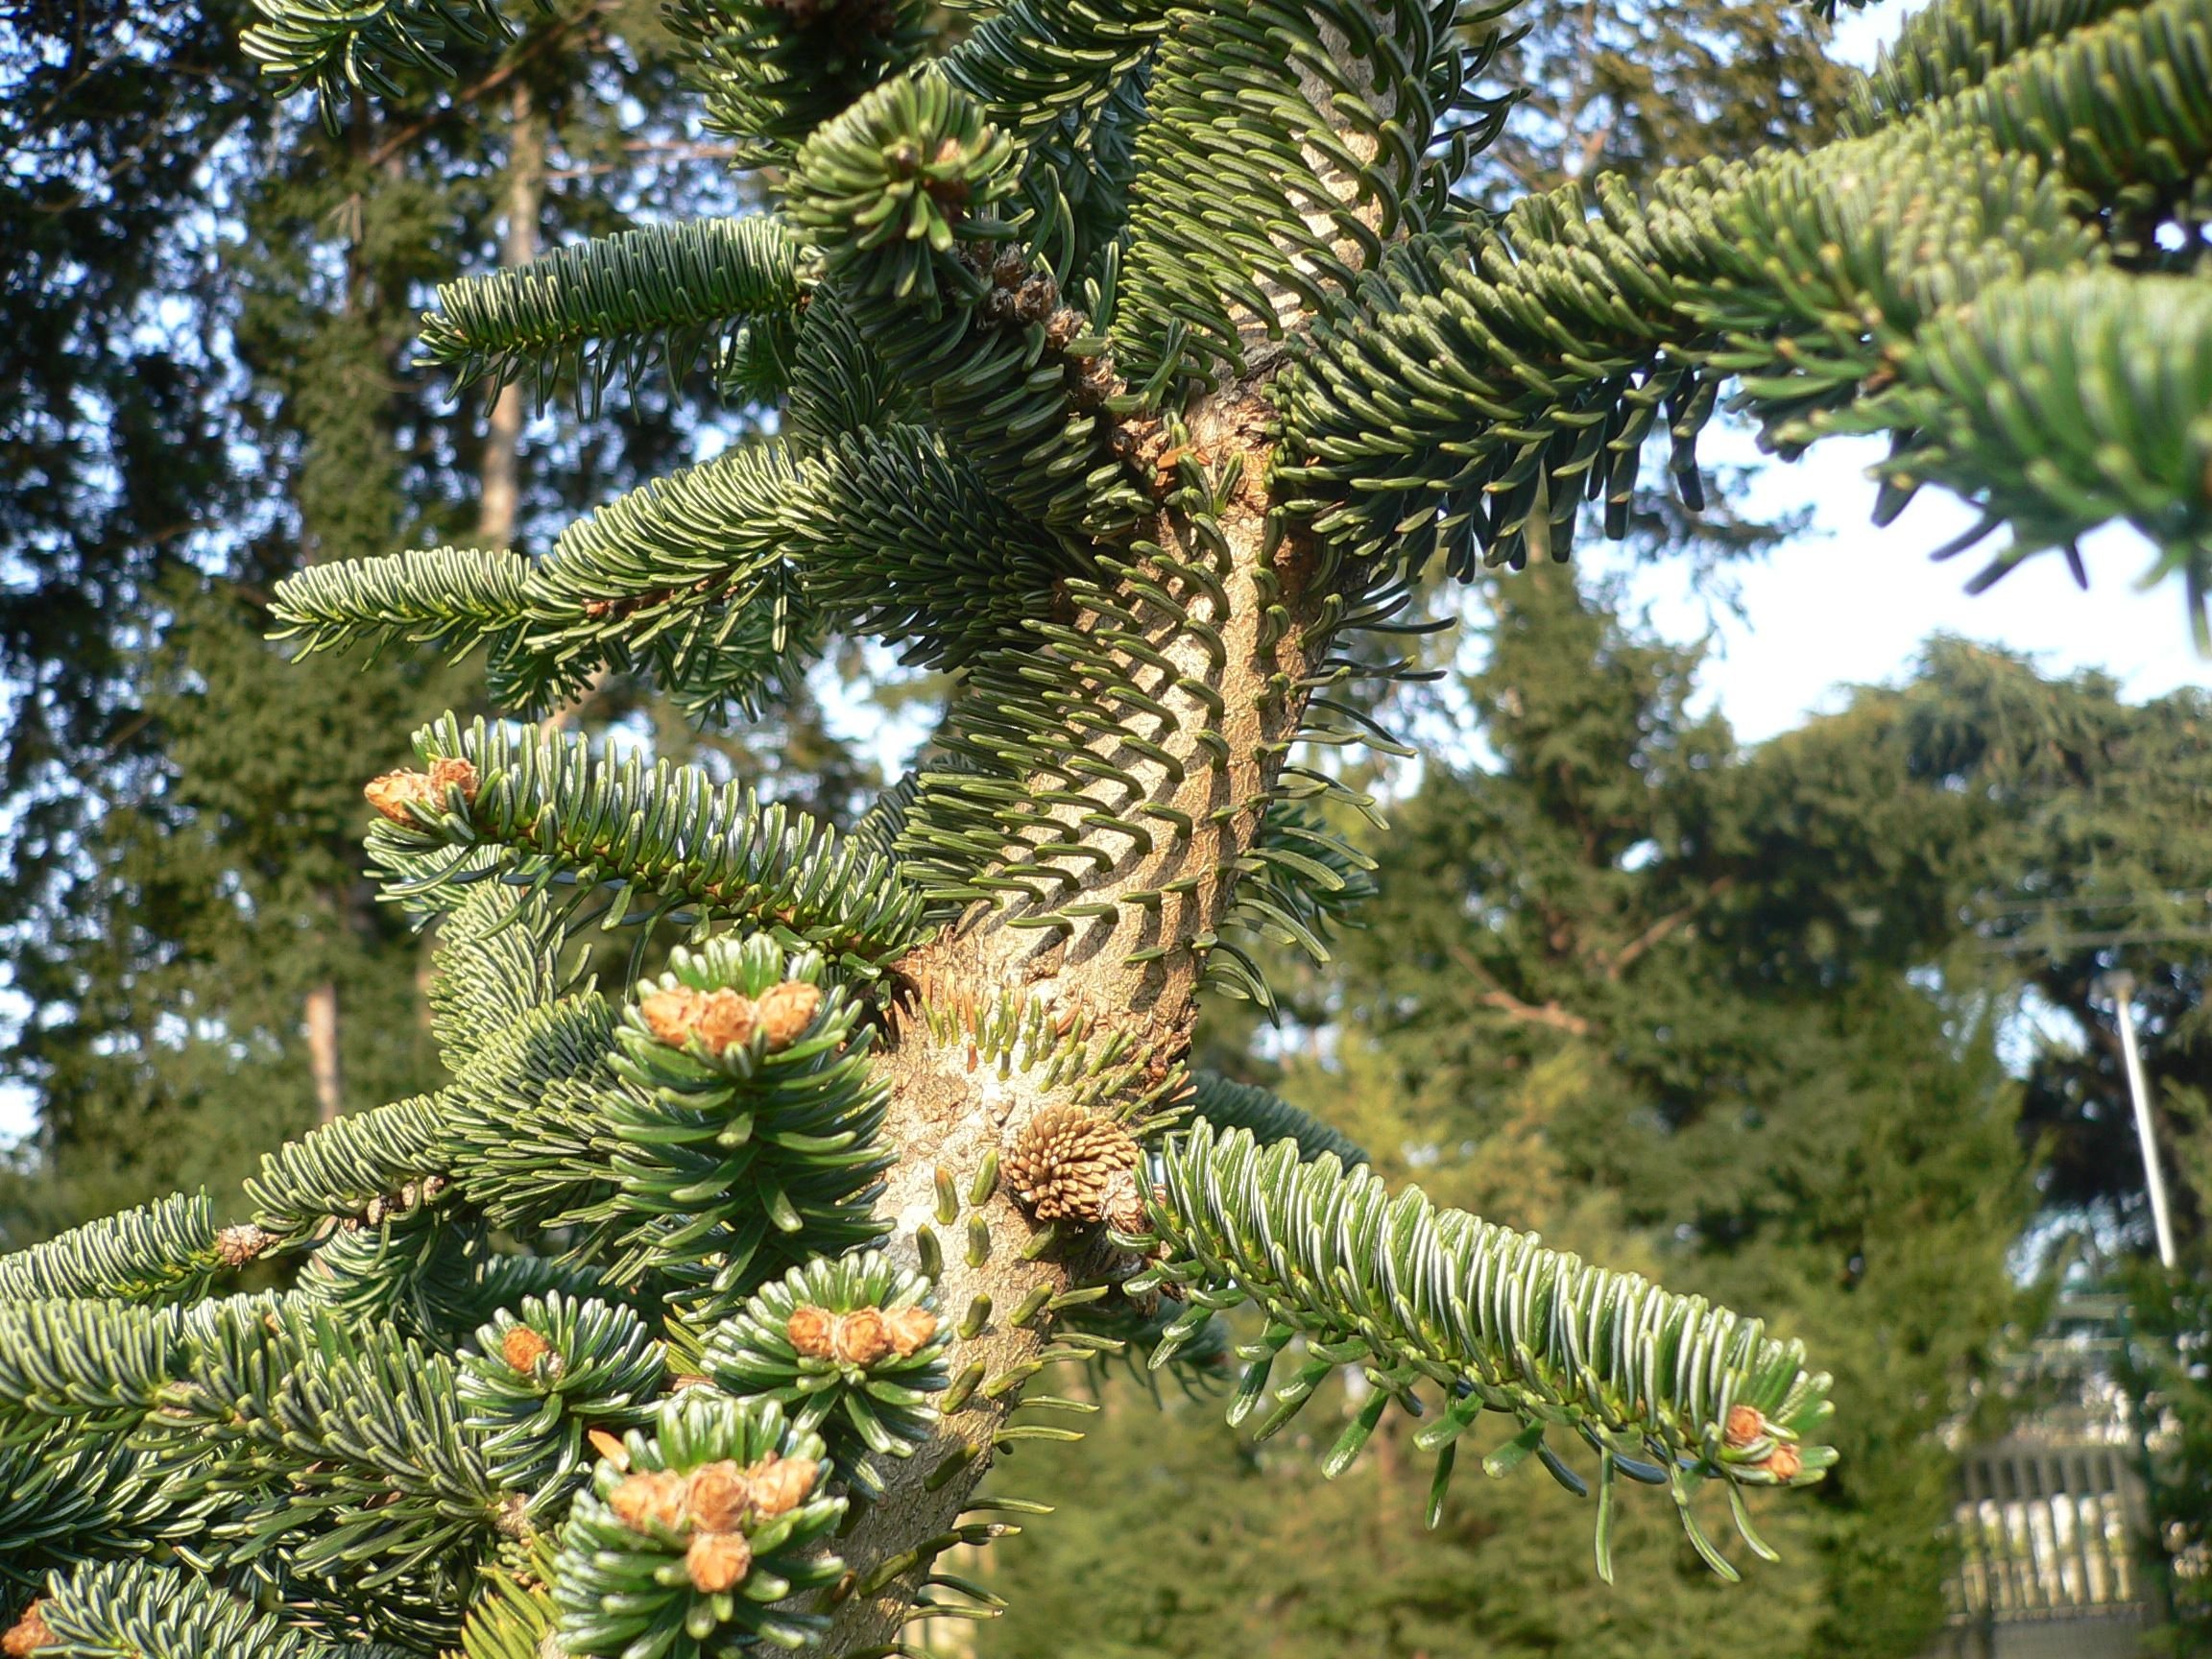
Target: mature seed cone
point(522, 1348)
point(396, 792)
point(721, 1496)
point(718, 1561)
point(909, 1329)
point(653, 1500)
point(1066, 1161)
point(781, 1484)
point(30, 1633)
point(787, 1010)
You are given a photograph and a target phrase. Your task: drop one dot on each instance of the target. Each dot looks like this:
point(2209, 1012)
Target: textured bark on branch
point(947, 1113)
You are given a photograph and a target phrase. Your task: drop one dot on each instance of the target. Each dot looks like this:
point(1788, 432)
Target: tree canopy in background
point(212, 311)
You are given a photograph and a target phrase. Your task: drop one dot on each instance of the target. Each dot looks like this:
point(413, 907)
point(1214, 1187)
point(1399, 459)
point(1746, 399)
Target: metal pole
point(2122, 989)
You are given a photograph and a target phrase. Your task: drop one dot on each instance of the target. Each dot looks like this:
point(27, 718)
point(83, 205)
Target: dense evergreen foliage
point(1138, 364)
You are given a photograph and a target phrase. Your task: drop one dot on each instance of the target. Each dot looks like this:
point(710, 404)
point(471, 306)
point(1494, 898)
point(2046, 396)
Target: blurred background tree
point(213, 327)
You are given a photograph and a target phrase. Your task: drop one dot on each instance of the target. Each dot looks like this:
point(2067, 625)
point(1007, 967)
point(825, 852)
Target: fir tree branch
point(167, 1251)
point(660, 840)
point(336, 46)
point(133, 1607)
point(1666, 1388)
point(1030, 63)
point(776, 70)
point(899, 192)
point(606, 307)
point(1477, 393)
point(1269, 177)
point(361, 1167)
point(1951, 45)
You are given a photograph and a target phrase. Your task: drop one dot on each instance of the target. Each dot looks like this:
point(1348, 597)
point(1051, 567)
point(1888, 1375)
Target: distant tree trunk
point(501, 495)
point(322, 1051)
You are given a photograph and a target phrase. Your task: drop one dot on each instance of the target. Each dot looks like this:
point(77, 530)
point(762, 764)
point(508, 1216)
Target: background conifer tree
point(188, 913)
point(688, 1315)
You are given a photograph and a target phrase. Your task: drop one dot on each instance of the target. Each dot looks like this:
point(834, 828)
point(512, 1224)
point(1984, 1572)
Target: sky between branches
point(1848, 603)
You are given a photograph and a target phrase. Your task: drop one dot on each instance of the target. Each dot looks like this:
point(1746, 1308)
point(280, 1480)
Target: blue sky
point(1849, 604)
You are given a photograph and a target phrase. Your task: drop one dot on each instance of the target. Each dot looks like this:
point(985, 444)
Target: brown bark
point(322, 1016)
point(502, 494)
point(942, 1115)
point(945, 1115)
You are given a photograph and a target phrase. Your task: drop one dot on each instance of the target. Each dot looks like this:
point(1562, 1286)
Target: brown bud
point(1783, 1462)
point(396, 792)
point(522, 1348)
point(727, 1020)
point(811, 1331)
point(1744, 1425)
point(718, 1561)
point(30, 1634)
point(909, 1329)
point(781, 1484)
point(609, 1445)
point(671, 1016)
point(1122, 1204)
point(235, 1246)
point(721, 1495)
point(657, 1501)
point(453, 773)
point(862, 1337)
point(787, 1010)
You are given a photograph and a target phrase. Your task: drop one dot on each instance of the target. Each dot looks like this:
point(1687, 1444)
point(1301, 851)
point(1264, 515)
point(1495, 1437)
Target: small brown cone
point(726, 1021)
point(1784, 1463)
point(862, 1337)
point(522, 1348)
point(1745, 1425)
point(1064, 1161)
point(811, 1331)
point(29, 1634)
point(910, 1329)
point(718, 1561)
point(781, 1484)
point(721, 1496)
point(235, 1246)
point(655, 1500)
point(671, 1016)
point(787, 1010)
